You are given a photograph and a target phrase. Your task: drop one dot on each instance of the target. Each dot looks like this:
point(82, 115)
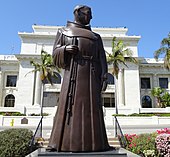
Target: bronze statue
point(79, 123)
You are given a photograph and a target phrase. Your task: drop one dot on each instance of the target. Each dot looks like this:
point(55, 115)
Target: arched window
point(110, 78)
point(9, 101)
point(146, 102)
point(55, 80)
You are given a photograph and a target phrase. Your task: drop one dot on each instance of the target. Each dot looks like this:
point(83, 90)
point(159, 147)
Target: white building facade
point(21, 90)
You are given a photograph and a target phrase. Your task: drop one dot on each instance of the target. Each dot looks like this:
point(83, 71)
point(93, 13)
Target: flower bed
point(150, 145)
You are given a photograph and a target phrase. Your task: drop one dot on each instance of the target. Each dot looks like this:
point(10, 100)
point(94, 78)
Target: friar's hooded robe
point(79, 122)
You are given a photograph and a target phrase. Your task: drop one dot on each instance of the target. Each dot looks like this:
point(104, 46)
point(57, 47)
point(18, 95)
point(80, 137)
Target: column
point(121, 95)
point(1, 87)
point(38, 87)
point(168, 84)
point(155, 81)
point(154, 84)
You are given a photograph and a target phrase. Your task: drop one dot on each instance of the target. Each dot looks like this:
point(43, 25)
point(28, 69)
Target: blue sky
point(148, 18)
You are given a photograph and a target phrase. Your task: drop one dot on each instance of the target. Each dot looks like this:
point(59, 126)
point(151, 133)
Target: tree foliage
point(164, 50)
point(119, 56)
point(163, 97)
point(46, 68)
point(166, 99)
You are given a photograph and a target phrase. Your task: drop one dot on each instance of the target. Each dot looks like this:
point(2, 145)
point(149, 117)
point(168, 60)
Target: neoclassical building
point(21, 90)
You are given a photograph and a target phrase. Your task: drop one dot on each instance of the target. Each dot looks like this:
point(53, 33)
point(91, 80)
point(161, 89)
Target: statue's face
point(84, 16)
point(87, 15)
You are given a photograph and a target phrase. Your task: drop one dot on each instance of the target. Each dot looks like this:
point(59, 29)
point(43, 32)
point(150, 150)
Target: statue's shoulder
point(62, 29)
point(78, 32)
point(65, 31)
point(97, 35)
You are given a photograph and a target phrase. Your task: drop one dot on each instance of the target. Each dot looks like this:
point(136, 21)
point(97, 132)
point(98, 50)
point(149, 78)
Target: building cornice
point(28, 56)
point(8, 59)
point(5, 62)
point(49, 32)
point(105, 30)
point(52, 36)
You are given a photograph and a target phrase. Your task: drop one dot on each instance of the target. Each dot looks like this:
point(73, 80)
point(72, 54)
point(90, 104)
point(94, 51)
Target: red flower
point(130, 145)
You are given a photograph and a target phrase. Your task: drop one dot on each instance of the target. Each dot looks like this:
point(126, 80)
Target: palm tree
point(47, 71)
point(119, 56)
point(166, 99)
point(164, 49)
point(46, 68)
point(163, 97)
point(157, 93)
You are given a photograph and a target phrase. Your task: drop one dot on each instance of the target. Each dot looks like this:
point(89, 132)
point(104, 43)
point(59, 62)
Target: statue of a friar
point(79, 122)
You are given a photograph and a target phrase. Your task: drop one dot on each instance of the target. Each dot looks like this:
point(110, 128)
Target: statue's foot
point(51, 149)
point(111, 148)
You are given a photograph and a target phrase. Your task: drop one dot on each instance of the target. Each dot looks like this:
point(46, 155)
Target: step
point(114, 142)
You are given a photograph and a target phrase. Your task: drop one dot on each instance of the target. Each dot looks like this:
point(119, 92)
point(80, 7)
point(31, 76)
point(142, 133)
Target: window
point(110, 79)
point(55, 80)
point(9, 101)
point(146, 102)
point(11, 81)
point(163, 82)
point(51, 99)
point(145, 83)
point(108, 100)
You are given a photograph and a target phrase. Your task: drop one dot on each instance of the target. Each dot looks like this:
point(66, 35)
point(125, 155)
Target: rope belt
point(86, 58)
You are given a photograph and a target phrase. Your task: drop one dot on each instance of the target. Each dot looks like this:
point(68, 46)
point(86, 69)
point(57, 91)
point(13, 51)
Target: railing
point(32, 143)
point(39, 126)
point(119, 133)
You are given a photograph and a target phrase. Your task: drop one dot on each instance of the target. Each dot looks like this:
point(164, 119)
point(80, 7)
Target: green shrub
point(123, 115)
point(139, 144)
point(12, 114)
point(15, 142)
point(145, 114)
point(44, 114)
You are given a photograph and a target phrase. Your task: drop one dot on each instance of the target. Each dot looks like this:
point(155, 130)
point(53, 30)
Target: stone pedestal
point(111, 153)
point(118, 152)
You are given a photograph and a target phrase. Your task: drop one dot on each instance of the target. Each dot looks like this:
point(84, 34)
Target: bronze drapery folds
point(79, 122)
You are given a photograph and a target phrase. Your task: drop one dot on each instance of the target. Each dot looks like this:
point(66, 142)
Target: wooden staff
point(70, 93)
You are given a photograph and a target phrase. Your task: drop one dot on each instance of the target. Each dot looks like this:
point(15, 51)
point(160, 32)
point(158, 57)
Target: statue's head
point(82, 14)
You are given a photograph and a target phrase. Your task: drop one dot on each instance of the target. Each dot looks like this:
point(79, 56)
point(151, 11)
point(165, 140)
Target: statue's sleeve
point(59, 56)
point(102, 56)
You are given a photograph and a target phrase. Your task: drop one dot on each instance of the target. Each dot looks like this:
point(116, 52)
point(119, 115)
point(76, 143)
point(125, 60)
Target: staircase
point(113, 141)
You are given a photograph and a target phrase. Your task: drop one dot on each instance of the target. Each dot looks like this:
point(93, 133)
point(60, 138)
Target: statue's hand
point(73, 49)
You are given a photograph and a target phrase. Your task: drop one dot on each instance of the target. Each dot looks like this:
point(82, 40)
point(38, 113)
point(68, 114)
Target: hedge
point(15, 142)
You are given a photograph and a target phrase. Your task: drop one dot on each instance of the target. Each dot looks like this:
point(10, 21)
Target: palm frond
point(132, 60)
point(165, 41)
point(164, 49)
point(46, 67)
point(157, 54)
point(118, 56)
point(32, 71)
point(167, 61)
